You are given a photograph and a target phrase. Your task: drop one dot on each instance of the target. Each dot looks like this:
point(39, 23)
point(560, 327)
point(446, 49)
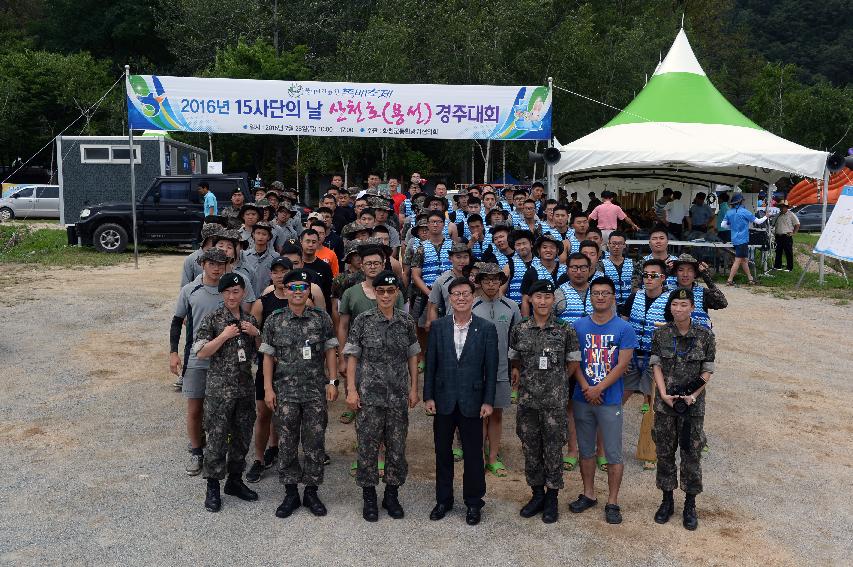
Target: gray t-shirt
point(504, 313)
point(440, 292)
point(259, 265)
point(394, 234)
point(249, 275)
point(192, 269)
point(195, 302)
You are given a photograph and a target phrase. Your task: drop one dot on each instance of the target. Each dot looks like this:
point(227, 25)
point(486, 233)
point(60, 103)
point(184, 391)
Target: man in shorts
point(607, 344)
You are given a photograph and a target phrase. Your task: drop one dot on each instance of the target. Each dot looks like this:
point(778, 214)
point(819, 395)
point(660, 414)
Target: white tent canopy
point(680, 129)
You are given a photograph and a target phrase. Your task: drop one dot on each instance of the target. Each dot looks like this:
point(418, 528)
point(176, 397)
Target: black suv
point(169, 212)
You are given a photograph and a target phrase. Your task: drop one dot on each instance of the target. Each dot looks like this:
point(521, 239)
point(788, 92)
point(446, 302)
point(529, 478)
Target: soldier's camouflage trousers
point(666, 433)
point(373, 424)
point(224, 417)
point(304, 421)
point(543, 433)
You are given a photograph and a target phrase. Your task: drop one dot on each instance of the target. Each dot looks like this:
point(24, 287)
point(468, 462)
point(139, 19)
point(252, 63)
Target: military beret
point(283, 262)
point(237, 190)
point(296, 276)
point(678, 293)
point(230, 280)
point(541, 286)
point(213, 255)
point(386, 277)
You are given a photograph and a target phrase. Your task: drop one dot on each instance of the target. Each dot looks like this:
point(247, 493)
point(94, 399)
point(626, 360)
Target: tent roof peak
point(680, 58)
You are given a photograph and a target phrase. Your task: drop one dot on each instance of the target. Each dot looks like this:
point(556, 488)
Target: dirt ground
point(94, 447)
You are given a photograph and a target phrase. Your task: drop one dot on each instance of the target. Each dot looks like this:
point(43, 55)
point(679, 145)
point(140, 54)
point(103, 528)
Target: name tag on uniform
point(543, 363)
point(306, 352)
point(241, 355)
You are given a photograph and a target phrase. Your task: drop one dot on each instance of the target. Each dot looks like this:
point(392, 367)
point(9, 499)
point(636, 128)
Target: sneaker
point(194, 465)
point(255, 472)
point(270, 456)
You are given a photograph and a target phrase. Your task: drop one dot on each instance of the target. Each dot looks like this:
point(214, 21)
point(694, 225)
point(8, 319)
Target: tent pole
point(552, 189)
point(132, 176)
point(823, 217)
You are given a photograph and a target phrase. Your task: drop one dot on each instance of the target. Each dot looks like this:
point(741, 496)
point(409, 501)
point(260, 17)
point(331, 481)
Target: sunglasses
point(652, 275)
point(388, 291)
point(298, 287)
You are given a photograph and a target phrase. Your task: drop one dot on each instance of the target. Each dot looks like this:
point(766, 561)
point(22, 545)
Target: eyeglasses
point(297, 287)
point(460, 294)
point(372, 264)
point(436, 222)
point(578, 268)
point(652, 275)
point(385, 291)
point(601, 293)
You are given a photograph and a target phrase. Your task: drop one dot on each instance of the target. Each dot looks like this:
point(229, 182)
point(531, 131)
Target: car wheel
point(110, 238)
point(6, 214)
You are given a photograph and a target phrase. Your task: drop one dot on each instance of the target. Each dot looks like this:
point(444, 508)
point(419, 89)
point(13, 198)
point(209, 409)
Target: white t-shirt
point(675, 212)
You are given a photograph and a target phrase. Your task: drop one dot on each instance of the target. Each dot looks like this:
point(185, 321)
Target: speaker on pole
point(550, 156)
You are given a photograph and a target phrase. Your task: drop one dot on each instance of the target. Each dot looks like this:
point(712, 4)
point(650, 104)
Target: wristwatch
point(692, 399)
point(334, 382)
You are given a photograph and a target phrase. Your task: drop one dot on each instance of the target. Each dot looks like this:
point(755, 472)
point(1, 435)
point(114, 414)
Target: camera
point(679, 405)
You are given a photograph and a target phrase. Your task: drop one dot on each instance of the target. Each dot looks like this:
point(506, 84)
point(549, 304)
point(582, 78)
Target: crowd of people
point(471, 304)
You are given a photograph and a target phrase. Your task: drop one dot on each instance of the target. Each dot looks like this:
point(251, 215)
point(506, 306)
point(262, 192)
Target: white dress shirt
point(460, 333)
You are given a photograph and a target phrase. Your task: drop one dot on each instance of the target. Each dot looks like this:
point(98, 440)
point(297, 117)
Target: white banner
point(836, 240)
point(309, 108)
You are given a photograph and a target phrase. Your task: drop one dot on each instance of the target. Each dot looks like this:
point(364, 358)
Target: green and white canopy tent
point(681, 131)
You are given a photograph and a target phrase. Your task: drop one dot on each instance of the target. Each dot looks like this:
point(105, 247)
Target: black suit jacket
point(469, 381)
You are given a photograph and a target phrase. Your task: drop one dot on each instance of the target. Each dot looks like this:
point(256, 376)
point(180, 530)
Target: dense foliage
point(781, 62)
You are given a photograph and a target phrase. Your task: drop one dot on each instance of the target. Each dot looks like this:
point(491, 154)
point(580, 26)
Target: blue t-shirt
point(739, 219)
point(600, 346)
point(210, 201)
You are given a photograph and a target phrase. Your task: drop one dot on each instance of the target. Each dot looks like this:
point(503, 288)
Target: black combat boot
point(550, 513)
point(537, 502)
point(666, 509)
point(213, 502)
point(391, 502)
point(369, 511)
point(690, 519)
point(234, 486)
point(311, 501)
point(291, 501)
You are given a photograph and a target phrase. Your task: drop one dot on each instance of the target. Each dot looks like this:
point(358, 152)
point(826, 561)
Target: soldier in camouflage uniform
point(232, 211)
point(383, 346)
point(682, 361)
point(301, 340)
point(228, 338)
point(544, 352)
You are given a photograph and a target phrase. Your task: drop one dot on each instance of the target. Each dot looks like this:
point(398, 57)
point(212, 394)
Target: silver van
point(30, 201)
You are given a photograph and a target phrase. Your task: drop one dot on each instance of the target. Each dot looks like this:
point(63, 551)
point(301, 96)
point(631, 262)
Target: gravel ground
point(94, 456)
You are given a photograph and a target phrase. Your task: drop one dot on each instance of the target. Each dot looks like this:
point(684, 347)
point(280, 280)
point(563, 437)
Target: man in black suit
point(459, 387)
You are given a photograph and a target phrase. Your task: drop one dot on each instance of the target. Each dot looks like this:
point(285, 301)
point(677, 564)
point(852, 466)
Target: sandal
point(753, 281)
point(497, 468)
point(730, 283)
point(570, 463)
point(457, 455)
point(513, 397)
point(381, 465)
point(421, 366)
point(601, 462)
point(644, 408)
point(347, 417)
point(353, 469)
point(649, 465)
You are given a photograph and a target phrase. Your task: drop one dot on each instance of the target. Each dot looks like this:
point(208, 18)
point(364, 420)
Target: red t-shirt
point(398, 200)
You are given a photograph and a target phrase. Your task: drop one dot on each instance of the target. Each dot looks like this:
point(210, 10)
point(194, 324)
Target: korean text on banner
point(310, 108)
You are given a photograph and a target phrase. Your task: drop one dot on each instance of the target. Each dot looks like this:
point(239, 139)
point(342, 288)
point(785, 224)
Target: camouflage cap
point(685, 259)
point(353, 228)
point(490, 269)
point(351, 248)
point(212, 255)
point(423, 222)
point(227, 234)
point(548, 238)
point(263, 203)
point(459, 248)
point(209, 229)
point(250, 207)
point(263, 225)
point(277, 186)
point(501, 226)
point(378, 202)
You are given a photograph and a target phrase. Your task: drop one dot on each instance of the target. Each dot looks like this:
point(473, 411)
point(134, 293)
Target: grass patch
point(49, 247)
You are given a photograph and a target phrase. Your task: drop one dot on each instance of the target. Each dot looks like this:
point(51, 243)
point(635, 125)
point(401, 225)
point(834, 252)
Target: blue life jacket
point(480, 247)
point(623, 282)
point(671, 281)
point(543, 272)
point(575, 306)
point(518, 270)
point(643, 322)
point(435, 264)
point(502, 258)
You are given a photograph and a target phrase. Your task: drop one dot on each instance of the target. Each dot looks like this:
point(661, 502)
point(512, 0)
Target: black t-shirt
point(270, 303)
point(324, 272)
point(342, 217)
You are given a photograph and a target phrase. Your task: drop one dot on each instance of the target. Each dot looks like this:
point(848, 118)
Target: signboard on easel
point(836, 240)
